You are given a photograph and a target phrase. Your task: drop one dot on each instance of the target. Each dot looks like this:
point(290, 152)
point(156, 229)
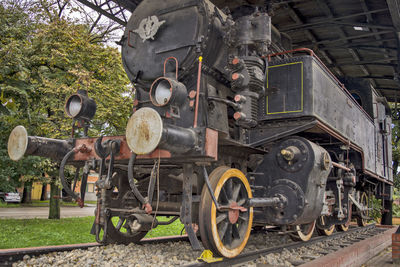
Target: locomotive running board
point(280, 134)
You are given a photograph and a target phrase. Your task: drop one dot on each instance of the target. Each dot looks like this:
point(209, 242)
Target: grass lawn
point(19, 233)
point(174, 228)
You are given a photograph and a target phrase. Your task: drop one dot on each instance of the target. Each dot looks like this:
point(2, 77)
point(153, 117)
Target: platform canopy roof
point(354, 38)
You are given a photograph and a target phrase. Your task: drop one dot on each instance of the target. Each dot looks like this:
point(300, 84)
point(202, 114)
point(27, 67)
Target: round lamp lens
point(74, 106)
point(163, 92)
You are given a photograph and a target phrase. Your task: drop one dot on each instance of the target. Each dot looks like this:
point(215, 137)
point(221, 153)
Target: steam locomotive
point(231, 130)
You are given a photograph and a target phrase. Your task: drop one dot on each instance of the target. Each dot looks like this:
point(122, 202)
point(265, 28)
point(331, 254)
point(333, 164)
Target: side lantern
point(80, 106)
point(166, 91)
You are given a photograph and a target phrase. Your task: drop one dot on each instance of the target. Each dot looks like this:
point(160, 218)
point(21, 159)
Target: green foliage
point(376, 212)
point(396, 208)
point(15, 28)
point(395, 145)
point(45, 59)
point(65, 61)
point(11, 171)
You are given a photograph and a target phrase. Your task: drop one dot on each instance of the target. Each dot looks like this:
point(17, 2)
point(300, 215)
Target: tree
point(15, 29)
point(396, 144)
point(47, 60)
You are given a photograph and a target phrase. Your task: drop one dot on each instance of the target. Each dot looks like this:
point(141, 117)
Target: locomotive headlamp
point(80, 106)
point(74, 106)
point(165, 91)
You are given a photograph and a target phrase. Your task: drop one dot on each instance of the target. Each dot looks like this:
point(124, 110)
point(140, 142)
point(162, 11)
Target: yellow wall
point(36, 190)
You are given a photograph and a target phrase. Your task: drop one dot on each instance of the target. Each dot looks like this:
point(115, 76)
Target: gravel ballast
point(180, 253)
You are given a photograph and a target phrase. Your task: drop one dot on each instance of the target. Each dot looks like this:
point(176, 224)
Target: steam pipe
point(63, 180)
point(337, 165)
point(196, 111)
point(135, 191)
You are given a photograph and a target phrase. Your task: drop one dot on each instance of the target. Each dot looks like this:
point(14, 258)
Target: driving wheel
point(226, 231)
point(322, 228)
point(303, 232)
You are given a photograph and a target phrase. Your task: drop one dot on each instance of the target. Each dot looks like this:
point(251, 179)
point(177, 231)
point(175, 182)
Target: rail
point(254, 255)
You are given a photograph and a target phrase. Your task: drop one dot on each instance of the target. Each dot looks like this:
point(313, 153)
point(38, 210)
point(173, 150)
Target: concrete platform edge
point(356, 254)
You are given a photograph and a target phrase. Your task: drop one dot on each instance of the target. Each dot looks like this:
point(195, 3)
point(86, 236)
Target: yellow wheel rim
point(224, 177)
point(329, 231)
point(322, 230)
point(304, 232)
point(344, 227)
point(364, 201)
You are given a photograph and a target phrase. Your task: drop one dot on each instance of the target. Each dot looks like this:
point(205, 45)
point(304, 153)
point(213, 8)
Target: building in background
point(90, 188)
point(38, 194)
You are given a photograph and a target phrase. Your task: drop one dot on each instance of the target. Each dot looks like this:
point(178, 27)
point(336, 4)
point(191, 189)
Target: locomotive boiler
point(231, 130)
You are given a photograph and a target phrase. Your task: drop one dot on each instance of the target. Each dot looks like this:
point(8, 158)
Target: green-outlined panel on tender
point(285, 88)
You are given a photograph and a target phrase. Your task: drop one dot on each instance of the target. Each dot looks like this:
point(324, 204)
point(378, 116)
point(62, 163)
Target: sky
point(74, 11)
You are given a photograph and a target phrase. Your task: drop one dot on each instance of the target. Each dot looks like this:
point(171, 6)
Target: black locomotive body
point(230, 132)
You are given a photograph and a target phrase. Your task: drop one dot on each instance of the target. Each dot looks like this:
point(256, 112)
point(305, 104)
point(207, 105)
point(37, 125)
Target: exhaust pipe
point(20, 144)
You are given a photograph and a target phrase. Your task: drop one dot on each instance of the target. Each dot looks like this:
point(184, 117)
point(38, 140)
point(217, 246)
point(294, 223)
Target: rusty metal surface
point(124, 152)
point(144, 131)
point(337, 165)
point(158, 153)
point(211, 146)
